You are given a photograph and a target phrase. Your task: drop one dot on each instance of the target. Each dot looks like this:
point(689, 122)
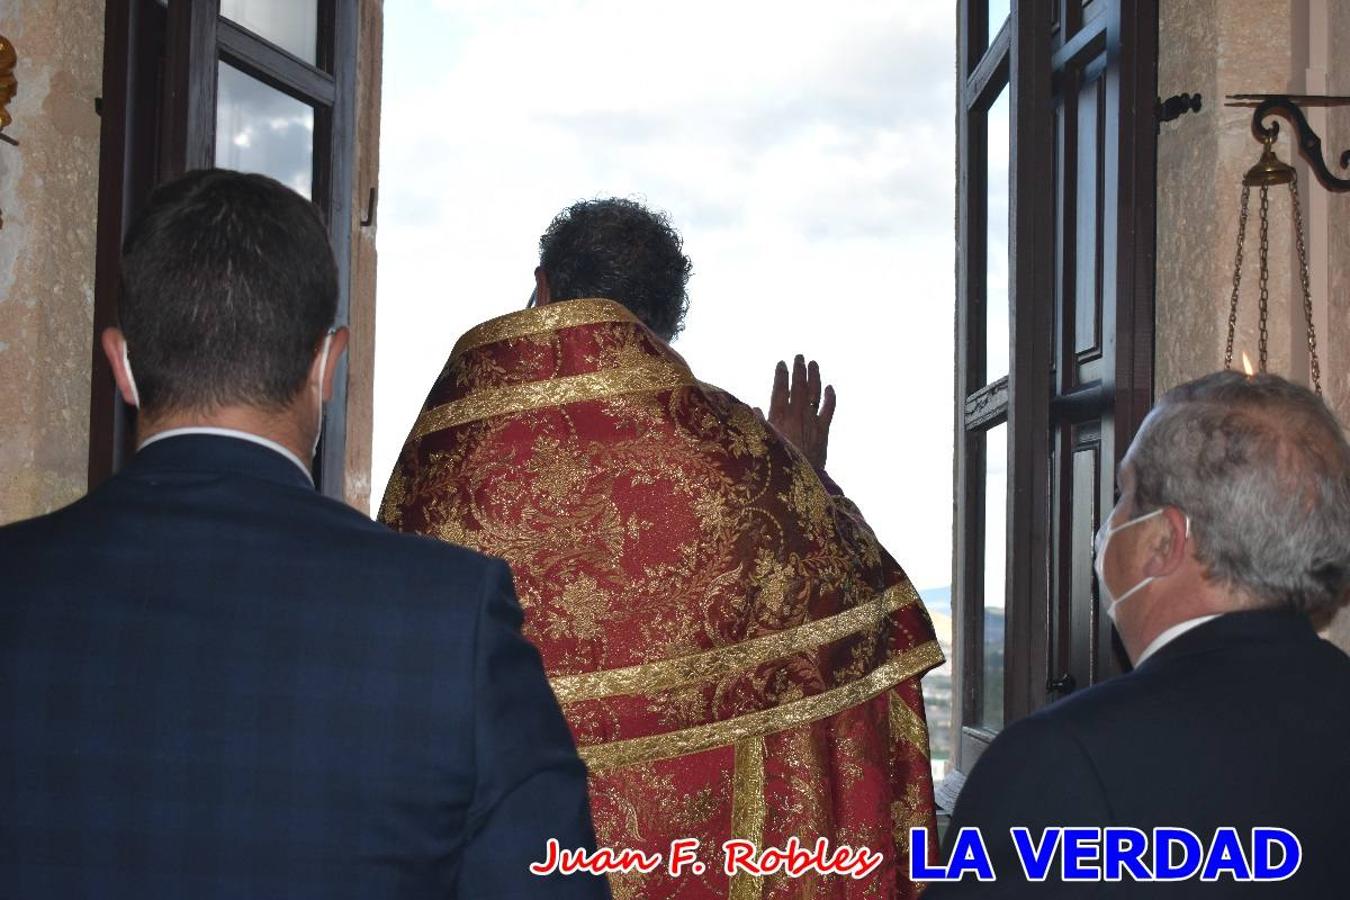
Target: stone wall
point(1221, 47)
point(1337, 139)
point(48, 196)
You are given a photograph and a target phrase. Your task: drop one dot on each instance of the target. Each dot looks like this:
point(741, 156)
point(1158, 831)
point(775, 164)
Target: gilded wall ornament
point(8, 83)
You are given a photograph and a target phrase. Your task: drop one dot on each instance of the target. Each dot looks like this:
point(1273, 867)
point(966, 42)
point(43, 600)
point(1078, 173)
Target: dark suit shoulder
point(352, 524)
point(1041, 746)
point(1083, 709)
point(37, 528)
point(1210, 674)
point(31, 543)
point(384, 568)
point(193, 522)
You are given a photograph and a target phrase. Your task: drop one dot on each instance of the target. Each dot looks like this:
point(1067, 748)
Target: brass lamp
point(1270, 171)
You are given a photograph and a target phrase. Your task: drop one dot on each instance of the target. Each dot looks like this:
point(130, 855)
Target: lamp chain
point(1313, 365)
point(1263, 276)
point(1237, 278)
point(1270, 170)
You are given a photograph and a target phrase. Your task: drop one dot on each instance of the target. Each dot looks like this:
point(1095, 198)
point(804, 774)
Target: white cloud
point(805, 152)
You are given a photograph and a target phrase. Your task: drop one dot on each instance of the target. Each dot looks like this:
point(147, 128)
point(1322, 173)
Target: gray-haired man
point(1231, 532)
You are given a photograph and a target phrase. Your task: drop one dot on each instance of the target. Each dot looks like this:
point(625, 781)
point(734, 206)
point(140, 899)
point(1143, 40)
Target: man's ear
point(1167, 546)
point(542, 295)
point(114, 343)
point(336, 347)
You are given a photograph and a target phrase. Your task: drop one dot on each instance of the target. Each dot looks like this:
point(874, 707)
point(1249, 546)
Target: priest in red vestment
point(736, 655)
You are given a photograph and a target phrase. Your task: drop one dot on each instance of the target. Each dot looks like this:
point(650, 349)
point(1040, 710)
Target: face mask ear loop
point(323, 368)
point(1099, 564)
point(131, 379)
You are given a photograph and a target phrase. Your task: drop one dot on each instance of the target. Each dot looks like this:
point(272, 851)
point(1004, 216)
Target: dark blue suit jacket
point(1243, 721)
point(215, 682)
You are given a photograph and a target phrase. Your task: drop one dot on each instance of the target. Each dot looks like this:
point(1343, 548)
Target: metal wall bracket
point(1287, 106)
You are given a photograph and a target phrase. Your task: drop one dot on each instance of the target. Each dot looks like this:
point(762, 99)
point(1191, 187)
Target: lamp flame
point(1247, 364)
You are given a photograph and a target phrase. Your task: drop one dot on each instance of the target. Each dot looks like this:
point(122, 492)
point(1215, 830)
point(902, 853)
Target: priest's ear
point(541, 295)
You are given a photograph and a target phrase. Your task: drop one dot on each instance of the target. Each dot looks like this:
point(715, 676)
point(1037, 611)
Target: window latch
point(369, 218)
point(1062, 686)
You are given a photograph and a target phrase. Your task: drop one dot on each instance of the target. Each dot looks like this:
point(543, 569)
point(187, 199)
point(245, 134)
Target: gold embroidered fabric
point(539, 320)
point(482, 404)
point(748, 811)
point(667, 674)
point(702, 737)
point(907, 726)
point(728, 639)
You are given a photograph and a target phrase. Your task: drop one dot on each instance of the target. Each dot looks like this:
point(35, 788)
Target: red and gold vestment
point(735, 653)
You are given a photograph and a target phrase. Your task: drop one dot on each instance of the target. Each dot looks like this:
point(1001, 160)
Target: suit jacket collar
point(214, 454)
point(1260, 626)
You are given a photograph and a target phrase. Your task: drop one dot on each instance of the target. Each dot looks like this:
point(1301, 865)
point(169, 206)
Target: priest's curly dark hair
point(620, 250)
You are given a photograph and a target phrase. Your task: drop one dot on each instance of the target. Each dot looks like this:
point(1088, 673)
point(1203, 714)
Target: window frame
point(1052, 627)
point(159, 119)
point(1015, 60)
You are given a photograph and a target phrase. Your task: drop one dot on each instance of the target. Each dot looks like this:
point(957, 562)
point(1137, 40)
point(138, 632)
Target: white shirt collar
point(232, 433)
point(1171, 634)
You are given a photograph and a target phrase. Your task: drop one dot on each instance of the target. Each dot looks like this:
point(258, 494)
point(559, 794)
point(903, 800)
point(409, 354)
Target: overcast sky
point(804, 151)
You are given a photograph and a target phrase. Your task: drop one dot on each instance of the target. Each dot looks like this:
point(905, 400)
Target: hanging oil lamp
point(1268, 172)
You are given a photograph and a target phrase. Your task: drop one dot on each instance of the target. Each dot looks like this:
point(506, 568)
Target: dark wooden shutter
point(1081, 79)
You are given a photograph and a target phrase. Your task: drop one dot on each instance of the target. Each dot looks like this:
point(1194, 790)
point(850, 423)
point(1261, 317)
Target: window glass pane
point(260, 129)
point(996, 237)
point(998, 14)
point(995, 558)
point(293, 25)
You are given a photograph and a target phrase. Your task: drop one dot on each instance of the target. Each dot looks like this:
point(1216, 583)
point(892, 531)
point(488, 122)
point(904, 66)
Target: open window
point(1054, 343)
point(257, 85)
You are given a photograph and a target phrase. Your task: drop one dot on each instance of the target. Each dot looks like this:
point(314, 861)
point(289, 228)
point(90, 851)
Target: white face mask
point(1099, 564)
point(131, 379)
point(323, 367)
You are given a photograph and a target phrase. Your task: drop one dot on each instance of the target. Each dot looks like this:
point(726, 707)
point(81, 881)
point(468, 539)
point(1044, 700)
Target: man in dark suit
point(1232, 530)
point(215, 682)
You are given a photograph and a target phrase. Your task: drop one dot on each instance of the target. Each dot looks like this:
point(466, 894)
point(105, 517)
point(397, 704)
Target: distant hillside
point(937, 599)
point(937, 685)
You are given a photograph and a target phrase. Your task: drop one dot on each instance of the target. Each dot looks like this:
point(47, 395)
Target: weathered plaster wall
point(48, 194)
point(1188, 207)
point(1336, 370)
point(1336, 140)
point(1220, 47)
point(1216, 48)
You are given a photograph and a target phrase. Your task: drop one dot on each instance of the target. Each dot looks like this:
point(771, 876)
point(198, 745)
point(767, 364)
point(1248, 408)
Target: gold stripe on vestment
point(540, 319)
point(905, 725)
point(766, 721)
point(658, 375)
point(667, 674)
point(748, 811)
